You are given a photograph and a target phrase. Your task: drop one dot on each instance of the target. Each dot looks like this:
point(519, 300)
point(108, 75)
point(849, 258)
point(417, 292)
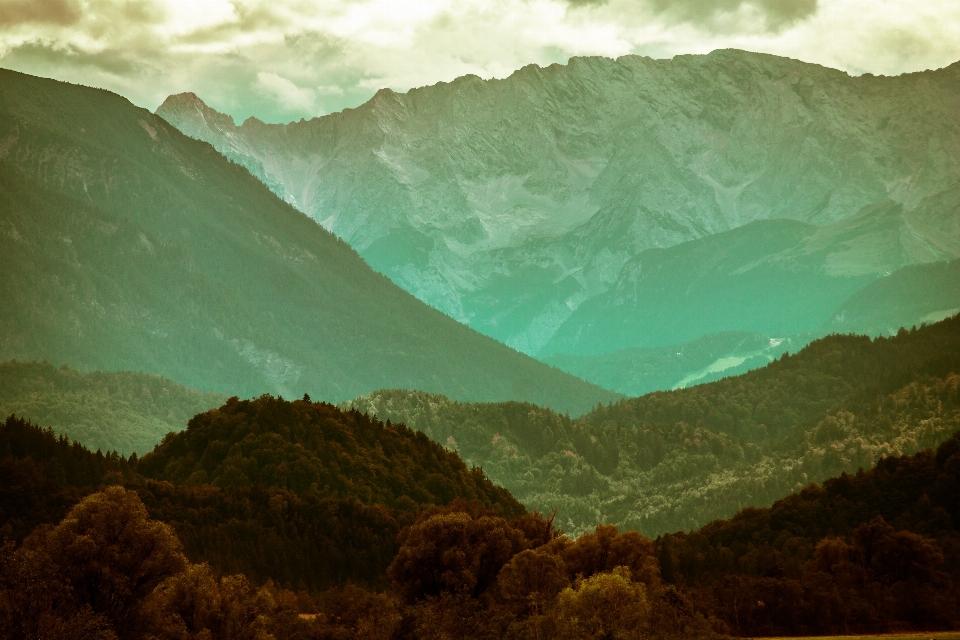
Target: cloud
point(40, 53)
point(62, 12)
point(775, 13)
point(288, 95)
point(281, 60)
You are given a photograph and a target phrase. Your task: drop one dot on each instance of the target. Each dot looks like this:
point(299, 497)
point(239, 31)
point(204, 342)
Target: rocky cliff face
point(509, 204)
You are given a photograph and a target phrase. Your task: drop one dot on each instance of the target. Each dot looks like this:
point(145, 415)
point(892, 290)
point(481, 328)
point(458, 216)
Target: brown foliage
point(606, 549)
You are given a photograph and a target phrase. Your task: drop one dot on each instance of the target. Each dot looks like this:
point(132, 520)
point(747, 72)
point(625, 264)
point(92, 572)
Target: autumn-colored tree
point(353, 613)
point(195, 604)
point(88, 576)
point(533, 578)
point(111, 554)
point(605, 549)
point(452, 553)
point(606, 605)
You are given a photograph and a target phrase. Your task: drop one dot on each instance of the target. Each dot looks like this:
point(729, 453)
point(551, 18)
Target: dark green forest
point(676, 460)
point(314, 447)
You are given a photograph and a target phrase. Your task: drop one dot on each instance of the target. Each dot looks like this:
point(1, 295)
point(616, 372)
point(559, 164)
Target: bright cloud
point(288, 95)
point(286, 59)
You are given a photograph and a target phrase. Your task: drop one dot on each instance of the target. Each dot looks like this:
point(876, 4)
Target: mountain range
point(125, 245)
point(606, 204)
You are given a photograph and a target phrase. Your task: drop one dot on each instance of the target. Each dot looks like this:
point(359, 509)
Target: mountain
point(119, 411)
point(778, 277)
point(911, 296)
point(641, 370)
point(512, 203)
point(126, 245)
point(675, 460)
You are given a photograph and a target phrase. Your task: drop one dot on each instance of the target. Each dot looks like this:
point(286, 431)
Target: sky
point(282, 60)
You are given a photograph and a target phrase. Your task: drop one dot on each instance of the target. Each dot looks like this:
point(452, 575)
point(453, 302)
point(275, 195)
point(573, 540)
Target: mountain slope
point(639, 370)
point(872, 552)
point(911, 296)
point(111, 411)
point(678, 459)
point(778, 277)
point(126, 245)
point(510, 203)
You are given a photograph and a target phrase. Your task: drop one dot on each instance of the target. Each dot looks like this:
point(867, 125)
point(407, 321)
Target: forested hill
point(296, 492)
point(129, 246)
point(118, 411)
point(863, 552)
point(769, 404)
point(304, 446)
point(676, 460)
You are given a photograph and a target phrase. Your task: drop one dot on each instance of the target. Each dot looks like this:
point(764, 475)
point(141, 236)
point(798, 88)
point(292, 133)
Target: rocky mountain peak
point(508, 203)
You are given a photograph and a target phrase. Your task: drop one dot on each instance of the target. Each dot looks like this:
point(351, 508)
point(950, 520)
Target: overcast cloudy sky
point(282, 60)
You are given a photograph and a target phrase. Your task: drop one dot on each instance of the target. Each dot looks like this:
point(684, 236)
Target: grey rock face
point(508, 204)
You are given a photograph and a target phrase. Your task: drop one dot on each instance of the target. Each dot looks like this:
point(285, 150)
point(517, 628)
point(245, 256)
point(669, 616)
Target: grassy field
point(926, 635)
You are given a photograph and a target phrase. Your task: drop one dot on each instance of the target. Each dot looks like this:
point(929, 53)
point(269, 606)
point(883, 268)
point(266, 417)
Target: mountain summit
point(510, 203)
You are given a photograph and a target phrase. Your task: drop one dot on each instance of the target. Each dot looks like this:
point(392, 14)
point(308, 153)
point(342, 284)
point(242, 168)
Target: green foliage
point(121, 411)
point(676, 460)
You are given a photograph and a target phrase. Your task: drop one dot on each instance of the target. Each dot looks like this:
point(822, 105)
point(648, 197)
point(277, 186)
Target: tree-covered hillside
point(875, 552)
point(676, 460)
point(861, 553)
point(297, 492)
point(125, 245)
point(112, 411)
point(315, 447)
